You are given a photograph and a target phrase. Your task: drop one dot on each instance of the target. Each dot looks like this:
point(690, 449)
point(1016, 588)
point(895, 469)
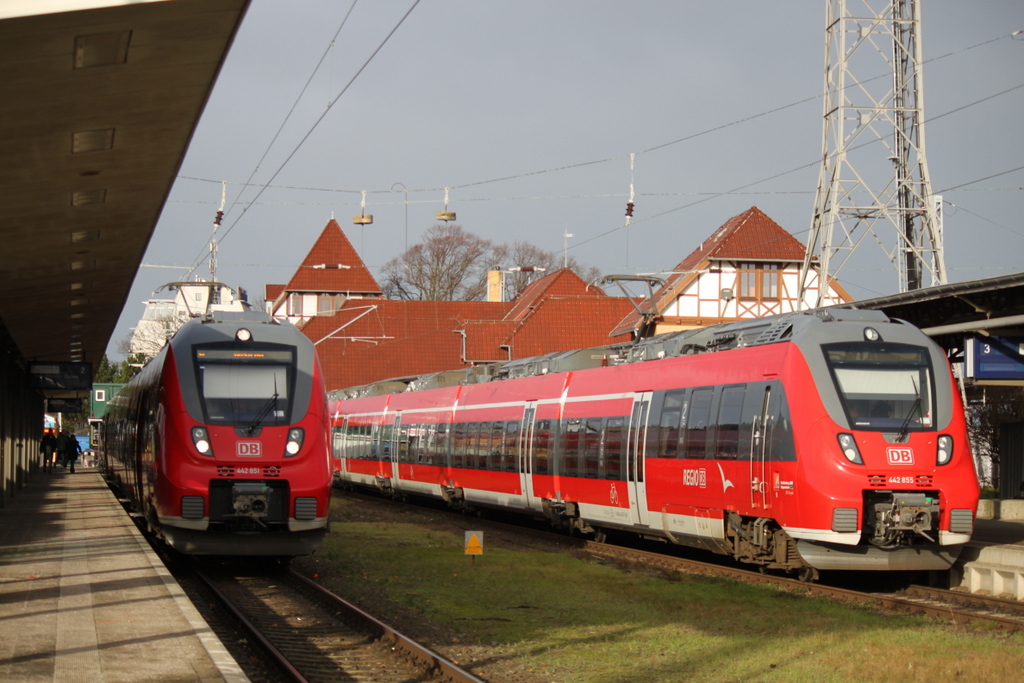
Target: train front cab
point(887, 481)
point(240, 464)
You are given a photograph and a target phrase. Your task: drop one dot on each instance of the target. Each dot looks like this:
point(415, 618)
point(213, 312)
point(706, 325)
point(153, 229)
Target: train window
point(511, 450)
point(403, 443)
point(482, 439)
point(883, 386)
point(730, 409)
point(697, 423)
point(459, 436)
point(570, 449)
point(542, 445)
point(613, 437)
point(668, 429)
point(591, 447)
point(439, 445)
point(245, 386)
point(494, 456)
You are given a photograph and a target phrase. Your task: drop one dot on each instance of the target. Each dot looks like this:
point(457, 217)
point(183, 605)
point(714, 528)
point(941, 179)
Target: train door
point(526, 434)
point(399, 447)
point(760, 452)
point(636, 446)
point(338, 446)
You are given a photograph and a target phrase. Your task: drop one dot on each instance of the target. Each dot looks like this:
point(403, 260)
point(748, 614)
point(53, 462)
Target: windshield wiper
point(916, 408)
point(271, 403)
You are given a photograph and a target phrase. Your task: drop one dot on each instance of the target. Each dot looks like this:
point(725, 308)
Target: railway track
point(313, 635)
point(954, 606)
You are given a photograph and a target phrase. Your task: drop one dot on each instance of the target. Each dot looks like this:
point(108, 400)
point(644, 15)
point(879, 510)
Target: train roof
point(722, 337)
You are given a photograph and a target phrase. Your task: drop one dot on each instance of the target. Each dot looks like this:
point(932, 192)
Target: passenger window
point(571, 447)
point(697, 423)
point(591, 438)
point(729, 412)
point(541, 446)
point(510, 452)
point(613, 434)
point(668, 430)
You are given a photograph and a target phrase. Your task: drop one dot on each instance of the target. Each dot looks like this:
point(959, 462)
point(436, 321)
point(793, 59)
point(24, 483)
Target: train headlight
point(871, 334)
point(295, 437)
point(243, 335)
point(944, 450)
point(201, 439)
point(849, 447)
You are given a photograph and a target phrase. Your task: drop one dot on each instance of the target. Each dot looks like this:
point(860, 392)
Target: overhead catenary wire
point(319, 119)
point(737, 190)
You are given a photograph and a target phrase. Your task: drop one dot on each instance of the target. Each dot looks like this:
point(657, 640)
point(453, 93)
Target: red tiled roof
point(563, 282)
point(331, 249)
point(271, 292)
point(750, 236)
point(564, 323)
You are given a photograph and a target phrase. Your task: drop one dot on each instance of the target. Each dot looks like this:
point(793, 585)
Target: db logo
point(249, 449)
point(900, 456)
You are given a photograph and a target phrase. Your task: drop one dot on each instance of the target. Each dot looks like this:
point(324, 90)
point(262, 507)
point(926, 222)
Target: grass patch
point(530, 615)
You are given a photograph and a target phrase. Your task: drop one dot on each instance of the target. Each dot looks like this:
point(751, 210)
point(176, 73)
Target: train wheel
point(600, 536)
point(807, 574)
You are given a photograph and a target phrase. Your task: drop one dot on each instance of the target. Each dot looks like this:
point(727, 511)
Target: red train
point(221, 441)
point(829, 439)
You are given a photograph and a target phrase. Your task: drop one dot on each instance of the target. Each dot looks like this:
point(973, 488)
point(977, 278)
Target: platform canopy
point(99, 101)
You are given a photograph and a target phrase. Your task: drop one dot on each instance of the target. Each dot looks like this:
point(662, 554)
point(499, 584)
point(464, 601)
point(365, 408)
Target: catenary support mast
point(873, 183)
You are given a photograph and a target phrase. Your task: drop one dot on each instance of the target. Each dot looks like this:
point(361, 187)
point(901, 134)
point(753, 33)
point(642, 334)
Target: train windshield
point(883, 387)
point(245, 386)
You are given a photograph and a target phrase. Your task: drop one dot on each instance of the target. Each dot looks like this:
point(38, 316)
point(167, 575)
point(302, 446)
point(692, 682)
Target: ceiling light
point(83, 197)
point(102, 49)
point(85, 236)
point(92, 140)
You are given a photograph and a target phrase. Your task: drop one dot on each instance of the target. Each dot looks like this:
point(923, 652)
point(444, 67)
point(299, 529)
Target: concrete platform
point(84, 598)
point(993, 562)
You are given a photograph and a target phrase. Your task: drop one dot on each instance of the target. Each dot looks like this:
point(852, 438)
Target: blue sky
point(529, 111)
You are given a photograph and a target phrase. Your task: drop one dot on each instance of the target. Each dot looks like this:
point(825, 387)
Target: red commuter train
point(221, 442)
point(830, 439)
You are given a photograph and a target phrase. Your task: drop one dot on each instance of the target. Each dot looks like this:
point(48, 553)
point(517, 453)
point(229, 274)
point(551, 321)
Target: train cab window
point(697, 423)
point(590, 448)
point(730, 409)
point(542, 434)
point(883, 387)
point(245, 386)
point(613, 440)
point(668, 428)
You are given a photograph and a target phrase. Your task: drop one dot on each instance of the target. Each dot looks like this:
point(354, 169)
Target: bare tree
point(450, 265)
point(524, 255)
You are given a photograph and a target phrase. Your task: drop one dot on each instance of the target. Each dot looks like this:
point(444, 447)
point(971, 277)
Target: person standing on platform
point(47, 446)
point(62, 447)
point(74, 449)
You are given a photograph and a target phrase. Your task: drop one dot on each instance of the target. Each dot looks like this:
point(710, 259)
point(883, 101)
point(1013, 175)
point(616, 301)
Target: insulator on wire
point(219, 218)
point(629, 209)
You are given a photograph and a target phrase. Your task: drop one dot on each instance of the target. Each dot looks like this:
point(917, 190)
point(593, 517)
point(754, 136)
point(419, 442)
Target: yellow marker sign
point(474, 543)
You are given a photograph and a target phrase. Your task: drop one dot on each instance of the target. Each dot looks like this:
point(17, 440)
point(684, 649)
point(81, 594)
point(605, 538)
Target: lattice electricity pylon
point(874, 175)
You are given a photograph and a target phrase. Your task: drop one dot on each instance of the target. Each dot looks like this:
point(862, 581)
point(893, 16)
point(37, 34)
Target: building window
point(294, 304)
point(759, 281)
point(101, 395)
